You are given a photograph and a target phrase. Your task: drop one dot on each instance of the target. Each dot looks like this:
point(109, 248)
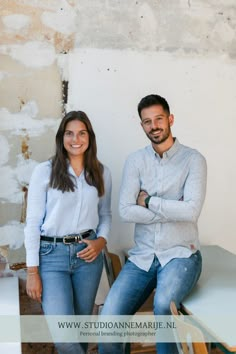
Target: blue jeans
point(133, 286)
point(69, 284)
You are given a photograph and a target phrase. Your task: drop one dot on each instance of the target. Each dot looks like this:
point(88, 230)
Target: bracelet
point(146, 200)
point(32, 273)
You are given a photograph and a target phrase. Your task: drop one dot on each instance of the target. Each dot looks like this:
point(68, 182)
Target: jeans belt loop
point(54, 241)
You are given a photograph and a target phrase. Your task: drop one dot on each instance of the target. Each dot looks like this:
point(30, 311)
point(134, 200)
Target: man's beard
point(161, 138)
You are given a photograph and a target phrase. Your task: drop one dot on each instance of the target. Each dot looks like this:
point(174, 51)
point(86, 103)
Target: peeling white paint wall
point(4, 150)
point(16, 22)
point(164, 25)
point(31, 54)
point(9, 234)
point(63, 20)
point(14, 177)
point(25, 120)
point(30, 99)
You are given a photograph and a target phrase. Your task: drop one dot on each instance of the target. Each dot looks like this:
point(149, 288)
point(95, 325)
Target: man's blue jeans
point(133, 286)
point(69, 284)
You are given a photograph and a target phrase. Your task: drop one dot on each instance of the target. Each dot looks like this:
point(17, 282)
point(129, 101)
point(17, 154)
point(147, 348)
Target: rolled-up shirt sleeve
point(188, 208)
point(104, 207)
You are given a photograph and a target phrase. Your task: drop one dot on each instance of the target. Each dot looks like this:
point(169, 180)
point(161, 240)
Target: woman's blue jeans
point(173, 282)
point(69, 284)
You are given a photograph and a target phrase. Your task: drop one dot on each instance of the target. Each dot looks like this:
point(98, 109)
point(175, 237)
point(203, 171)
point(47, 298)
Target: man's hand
point(94, 247)
point(141, 198)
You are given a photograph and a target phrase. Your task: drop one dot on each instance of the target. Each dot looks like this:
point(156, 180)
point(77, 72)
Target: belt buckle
point(66, 239)
point(79, 237)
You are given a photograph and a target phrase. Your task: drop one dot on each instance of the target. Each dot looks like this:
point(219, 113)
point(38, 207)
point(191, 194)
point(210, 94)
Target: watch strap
point(146, 200)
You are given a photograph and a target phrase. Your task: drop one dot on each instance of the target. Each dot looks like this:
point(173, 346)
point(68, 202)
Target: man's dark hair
point(152, 100)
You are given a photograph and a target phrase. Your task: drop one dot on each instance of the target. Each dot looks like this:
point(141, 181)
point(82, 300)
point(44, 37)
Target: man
point(162, 192)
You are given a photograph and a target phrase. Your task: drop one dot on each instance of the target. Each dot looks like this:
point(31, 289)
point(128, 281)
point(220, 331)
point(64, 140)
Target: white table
point(213, 301)
point(9, 306)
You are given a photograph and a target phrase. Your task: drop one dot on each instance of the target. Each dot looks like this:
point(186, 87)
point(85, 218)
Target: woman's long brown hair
point(93, 169)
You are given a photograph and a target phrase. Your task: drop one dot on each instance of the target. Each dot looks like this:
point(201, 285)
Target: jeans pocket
point(45, 248)
point(197, 257)
point(92, 237)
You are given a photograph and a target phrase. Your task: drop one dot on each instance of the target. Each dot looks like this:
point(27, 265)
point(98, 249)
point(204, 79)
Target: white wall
point(108, 84)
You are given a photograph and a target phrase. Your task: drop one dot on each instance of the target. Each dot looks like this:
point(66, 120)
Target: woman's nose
point(75, 138)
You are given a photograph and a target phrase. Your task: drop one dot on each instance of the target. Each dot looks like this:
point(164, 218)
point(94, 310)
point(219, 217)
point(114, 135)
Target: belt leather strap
point(68, 239)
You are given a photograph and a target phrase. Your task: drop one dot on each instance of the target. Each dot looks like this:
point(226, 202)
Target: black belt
point(74, 238)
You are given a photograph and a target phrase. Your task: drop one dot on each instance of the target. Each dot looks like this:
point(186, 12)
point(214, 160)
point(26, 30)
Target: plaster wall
point(201, 95)
point(31, 50)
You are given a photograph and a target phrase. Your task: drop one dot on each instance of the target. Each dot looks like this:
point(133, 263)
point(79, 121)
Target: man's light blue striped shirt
point(177, 184)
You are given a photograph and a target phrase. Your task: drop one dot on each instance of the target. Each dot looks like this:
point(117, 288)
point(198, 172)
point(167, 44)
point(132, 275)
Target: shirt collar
point(70, 169)
point(72, 172)
point(169, 153)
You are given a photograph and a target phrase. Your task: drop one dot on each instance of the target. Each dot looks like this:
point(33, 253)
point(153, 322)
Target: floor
point(46, 348)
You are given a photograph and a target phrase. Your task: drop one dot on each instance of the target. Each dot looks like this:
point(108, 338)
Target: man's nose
point(155, 125)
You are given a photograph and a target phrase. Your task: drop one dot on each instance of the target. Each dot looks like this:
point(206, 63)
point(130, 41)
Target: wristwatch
point(146, 200)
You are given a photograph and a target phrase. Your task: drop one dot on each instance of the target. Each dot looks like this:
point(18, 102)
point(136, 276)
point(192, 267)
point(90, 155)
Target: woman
point(68, 222)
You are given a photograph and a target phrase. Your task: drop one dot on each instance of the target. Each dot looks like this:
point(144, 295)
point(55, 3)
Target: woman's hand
point(34, 284)
point(94, 247)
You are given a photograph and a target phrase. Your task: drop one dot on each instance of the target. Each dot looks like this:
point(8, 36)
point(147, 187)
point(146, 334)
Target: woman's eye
point(67, 133)
point(83, 133)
